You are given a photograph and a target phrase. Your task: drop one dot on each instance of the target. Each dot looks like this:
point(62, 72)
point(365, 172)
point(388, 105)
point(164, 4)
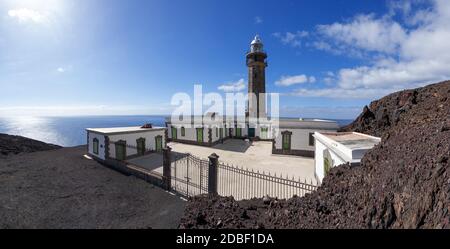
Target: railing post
point(212, 173)
point(167, 168)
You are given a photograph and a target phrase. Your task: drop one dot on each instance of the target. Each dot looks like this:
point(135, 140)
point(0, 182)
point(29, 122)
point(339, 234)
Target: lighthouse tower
point(256, 63)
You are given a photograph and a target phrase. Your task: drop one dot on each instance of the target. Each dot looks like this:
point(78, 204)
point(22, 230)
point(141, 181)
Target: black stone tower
point(256, 63)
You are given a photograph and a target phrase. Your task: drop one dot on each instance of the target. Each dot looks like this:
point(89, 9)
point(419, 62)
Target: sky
point(327, 59)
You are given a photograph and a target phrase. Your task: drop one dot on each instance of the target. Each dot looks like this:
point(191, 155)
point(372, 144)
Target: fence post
point(212, 173)
point(166, 168)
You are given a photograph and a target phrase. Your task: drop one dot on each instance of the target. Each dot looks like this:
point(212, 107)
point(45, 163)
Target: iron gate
point(189, 175)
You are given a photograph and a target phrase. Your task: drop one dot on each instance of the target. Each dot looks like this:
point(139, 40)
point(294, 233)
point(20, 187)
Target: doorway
point(174, 133)
point(121, 150)
point(200, 135)
point(264, 131)
point(286, 140)
point(158, 143)
point(238, 132)
point(140, 146)
point(251, 132)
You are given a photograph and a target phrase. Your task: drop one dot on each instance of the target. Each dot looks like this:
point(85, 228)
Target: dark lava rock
point(404, 182)
point(12, 145)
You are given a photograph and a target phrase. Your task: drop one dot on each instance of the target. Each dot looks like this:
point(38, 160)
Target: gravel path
point(62, 189)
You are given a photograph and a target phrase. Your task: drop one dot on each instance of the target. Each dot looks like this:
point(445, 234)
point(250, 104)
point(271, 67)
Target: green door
point(140, 146)
point(264, 133)
point(121, 151)
point(251, 132)
point(286, 142)
point(158, 143)
point(221, 133)
point(174, 133)
point(238, 132)
point(200, 135)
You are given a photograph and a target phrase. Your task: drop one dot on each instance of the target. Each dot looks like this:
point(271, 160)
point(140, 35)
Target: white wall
point(319, 159)
point(101, 145)
point(299, 138)
point(215, 136)
point(190, 133)
point(130, 138)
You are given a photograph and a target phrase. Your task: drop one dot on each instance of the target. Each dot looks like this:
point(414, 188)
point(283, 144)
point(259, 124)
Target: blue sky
point(327, 58)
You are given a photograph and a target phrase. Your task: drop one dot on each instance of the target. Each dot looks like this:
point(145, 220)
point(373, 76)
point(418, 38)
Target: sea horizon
point(69, 131)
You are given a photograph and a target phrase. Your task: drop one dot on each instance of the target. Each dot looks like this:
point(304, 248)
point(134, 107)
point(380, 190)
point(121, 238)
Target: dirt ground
point(62, 189)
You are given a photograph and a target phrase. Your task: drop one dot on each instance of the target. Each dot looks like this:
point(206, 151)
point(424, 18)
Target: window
point(183, 132)
point(311, 139)
point(95, 146)
point(217, 132)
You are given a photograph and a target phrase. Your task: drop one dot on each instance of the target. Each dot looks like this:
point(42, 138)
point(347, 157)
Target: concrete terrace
point(253, 156)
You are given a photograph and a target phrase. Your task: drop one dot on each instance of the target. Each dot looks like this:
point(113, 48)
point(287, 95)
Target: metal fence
point(189, 175)
point(247, 184)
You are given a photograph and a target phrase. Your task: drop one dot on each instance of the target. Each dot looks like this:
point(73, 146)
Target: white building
point(334, 149)
point(125, 142)
point(212, 129)
point(295, 136)
point(289, 136)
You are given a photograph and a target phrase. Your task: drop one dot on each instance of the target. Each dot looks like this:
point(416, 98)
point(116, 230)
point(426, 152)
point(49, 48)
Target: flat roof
point(353, 140)
point(307, 120)
point(131, 129)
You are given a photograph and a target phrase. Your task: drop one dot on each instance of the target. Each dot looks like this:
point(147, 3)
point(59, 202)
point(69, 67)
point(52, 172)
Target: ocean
point(71, 131)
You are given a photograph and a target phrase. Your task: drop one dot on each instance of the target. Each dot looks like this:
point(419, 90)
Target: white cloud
point(258, 20)
point(64, 69)
point(340, 93)
point(233, 86)
point(396, 56)
point(27, 15)
point(292, 39)
point(333, 112)
point(363, 32)
point(404, 7)
point(293, 80)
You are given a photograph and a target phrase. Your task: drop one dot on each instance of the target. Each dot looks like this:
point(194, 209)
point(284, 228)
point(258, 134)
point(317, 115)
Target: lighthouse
point(256, 63)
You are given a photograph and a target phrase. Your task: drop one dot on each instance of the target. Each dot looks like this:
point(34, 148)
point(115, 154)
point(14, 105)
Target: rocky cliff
point(404, 182)
point(12, 145)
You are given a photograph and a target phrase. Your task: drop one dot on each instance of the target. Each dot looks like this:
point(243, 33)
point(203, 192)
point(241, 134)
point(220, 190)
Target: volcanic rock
point(403, 182)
